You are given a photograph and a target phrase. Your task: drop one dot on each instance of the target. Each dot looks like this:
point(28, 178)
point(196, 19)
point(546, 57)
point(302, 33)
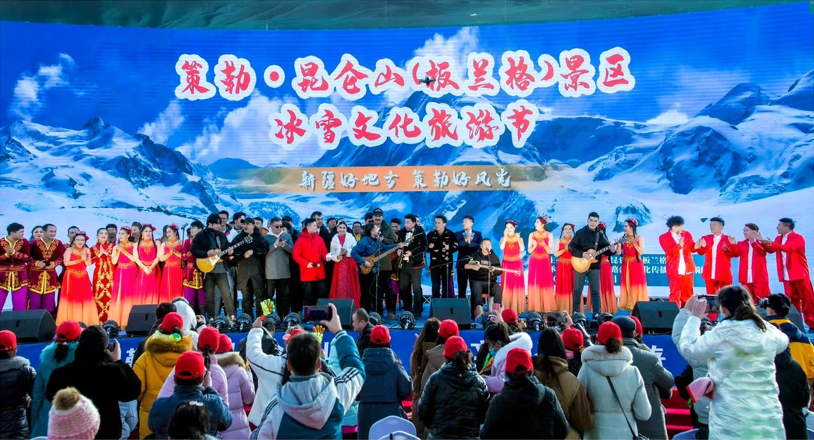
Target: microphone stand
point(378, 272)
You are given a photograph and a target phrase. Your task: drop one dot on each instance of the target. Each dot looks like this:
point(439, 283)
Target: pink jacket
point(217, 378)
point(241, 392)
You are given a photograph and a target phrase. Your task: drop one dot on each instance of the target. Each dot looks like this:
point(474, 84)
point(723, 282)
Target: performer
point(792, 267)
point(207, 244)
point(135, 232)
point(193, 278)
point(370, 245)
point(146, 258)
point(717, 266)
point(327, 236)
point(385, 267)
point(172, 276)
point(309, 252)
point(13, 271)
point(513, 286)
point(410, 264)
point(124, 295)
point(112, 232)
point(76, 302)
point(678, 247)
point(395, 225)
point(71, 232)
point(250, 259)
point(483, 278)
point(586, 241)
point(101, 257)
point(46, 256)
point(441, 244)
point(752, 273)
point(357, 231)
point(278, 267)
point(37, 233)
point(469, 242)
point(345, 282)
point(541, 279)
point(607, 293)
point(564, 286)
point(633, 284)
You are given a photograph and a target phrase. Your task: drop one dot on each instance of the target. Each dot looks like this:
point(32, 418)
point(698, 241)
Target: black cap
point(780, 303)
point(625, 324)
point(378, 211)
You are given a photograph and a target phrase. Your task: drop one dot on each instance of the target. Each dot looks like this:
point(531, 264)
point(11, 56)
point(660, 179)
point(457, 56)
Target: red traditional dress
point(607, 294)
point(541, 279)
point(193, 279)
point(148, 283)
point(633, 284)
point(76, 302)
point(14, 272)
point(102, 278)
point(172, 277)
point(42, 282)
point(123, 296)
point(564, 297)
point(513, 286)
point(345, 283)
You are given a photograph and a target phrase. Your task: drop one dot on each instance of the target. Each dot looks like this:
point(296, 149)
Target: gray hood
point(604, 363)
point(309, 400)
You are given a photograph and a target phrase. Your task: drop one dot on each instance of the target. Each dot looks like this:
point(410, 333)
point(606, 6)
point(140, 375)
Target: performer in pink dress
point(193, 278)
point(123, 297)
point(146, 258)
point(101, 257)
point(565, 272)
point(513, 286)
point(541, 278)
point(76, 302)
point(345, 283)
point(633, 284)
point(607, 293)
point(172, 277)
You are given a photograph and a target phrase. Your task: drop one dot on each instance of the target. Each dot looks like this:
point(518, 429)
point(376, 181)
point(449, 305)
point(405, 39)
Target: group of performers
point(372, 262)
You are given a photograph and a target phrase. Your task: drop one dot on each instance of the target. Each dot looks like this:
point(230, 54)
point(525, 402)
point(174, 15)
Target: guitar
point(208, 264)
point(476, 265)
point(374, 258)
point(582, 265)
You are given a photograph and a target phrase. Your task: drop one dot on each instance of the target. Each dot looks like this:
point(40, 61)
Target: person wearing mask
point(240, 386)
point(361, 324)
point(58, 353)
point(73, 417)
point(511, 319)
point(16, 383)
point(425, 342)
point(658, 382)
point(699, 368)
point(741, 350)
point(614, 386)
point(794, 396)
point(386, 385)
point(189, 377)
point(249, 258)
point(100, 375)
point(551, 369)
point(574, 342)
point(208, 243)
point(160, 312)
point(207, 345)
point(435, 357)
point(278, 267)
point(309, 253)
point(454, 400)
point(500, 343)
point(778, 307)
point(525, 408)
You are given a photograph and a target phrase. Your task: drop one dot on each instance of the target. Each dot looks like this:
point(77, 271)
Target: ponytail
point(613, 345)
point(747, 311)
point(463, 360)
point(738, 302)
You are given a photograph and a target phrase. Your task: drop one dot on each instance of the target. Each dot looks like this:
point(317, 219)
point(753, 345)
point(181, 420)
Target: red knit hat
point(209, 337)
point(453, 345)
point(518, 361)
point(224, 344)
point(509, 316)
point(68, 331)
point(380, 335)
point(639, 329)
point(572, 339)
point(607, 331)
point(190, 365)
point(171, 320)
point(293, 333)
point(8, 340)
point(448, 329)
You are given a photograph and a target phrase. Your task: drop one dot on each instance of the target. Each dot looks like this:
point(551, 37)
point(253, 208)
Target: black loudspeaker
point(554, 318)
point(456, 309)
point(793, 316)
point(344, 307)
point(656, 316)
point(29, 325)
point(141, 319)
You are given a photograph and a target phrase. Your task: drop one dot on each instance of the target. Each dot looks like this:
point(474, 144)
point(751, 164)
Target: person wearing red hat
point(639, 332)
point(240, 386)
point(525, 408)
point(208, 342)
point(387, 383)
point(16, 381)
point(435, 357)
point(454, 401)
point(614, 385)
point(574, 342)
point(189, 378)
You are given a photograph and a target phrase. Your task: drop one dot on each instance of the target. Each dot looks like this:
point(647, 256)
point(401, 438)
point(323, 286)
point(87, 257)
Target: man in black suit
point(586, 241)
point(411, 262)
point(441, 244)
point(326, 235)
point(207, 244)
point(469, 242)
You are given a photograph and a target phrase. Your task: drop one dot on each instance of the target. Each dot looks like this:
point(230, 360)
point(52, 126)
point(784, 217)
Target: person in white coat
point(500, 343)
point(606, 363)
point(741, 351)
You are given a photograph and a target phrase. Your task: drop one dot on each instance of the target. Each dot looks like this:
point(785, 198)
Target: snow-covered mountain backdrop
point(92, 130)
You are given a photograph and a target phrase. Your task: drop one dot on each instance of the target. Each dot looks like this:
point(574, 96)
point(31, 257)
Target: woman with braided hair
point(633, 284)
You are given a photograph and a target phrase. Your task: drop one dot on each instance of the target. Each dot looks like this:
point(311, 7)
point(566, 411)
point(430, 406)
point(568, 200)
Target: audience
point(240, 387)
point(72, 417)
point(351, 418)
point(699, 411)
point(425, 342)
point(778, 307)
point(207, 345)
point(500, 343)
point(794, 394)
point(56, 354)
point(574, 342)
point(361, 324)
point(190, 420)
point(160, 312)
point(267, 367)
point(16, 384)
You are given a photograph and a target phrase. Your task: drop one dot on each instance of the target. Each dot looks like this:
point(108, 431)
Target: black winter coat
point(16, 385)
point(794, 394)
point(453, 404)
point(386, 385)
point(585, 239)
point(525, 409)
point(364, 339)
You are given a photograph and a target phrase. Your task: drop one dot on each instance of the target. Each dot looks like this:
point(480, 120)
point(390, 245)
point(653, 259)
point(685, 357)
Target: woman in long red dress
point(564, 291)
point(633, 284)
point(149, 275)
point(513, 286)
point(193, 278)
point(172, 277)
point(123, 297)
point(345, 283)
point(607, 293)
point(100, 255)
point(541, 279)
point(76, 302)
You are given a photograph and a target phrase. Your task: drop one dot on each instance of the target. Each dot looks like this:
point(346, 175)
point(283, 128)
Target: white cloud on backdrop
point(165, 124)
point(29, 91)
point(669, 118)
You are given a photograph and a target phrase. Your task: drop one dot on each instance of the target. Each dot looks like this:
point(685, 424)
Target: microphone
point(184, 226)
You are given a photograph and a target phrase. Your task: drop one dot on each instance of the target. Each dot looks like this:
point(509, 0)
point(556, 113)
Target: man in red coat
point(752, 273)
point(792, 267)
point(678, 247)
point(717, 267)
point(309, 252)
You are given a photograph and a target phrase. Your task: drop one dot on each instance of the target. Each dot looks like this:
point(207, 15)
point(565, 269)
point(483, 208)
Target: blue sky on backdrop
point(62, 75)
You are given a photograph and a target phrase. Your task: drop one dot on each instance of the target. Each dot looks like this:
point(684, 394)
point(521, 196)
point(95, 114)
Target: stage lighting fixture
point(293, 319)
point(579, 318)
point(406, 321)
point(243, 323)
point(221, 323)
point(603, 318)
point(111, 328)
point(534, 322)
point(375, 318)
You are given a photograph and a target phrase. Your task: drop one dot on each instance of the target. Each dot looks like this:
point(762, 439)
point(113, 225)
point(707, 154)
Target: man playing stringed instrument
point(484, 269)
point(584, 244)
point(206, 244)
point(372, 245)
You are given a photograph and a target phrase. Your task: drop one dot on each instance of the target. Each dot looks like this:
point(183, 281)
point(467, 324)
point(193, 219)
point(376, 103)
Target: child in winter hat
point(72, 416)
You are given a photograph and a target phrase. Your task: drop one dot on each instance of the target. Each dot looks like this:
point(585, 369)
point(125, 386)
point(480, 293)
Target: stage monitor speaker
point(29, 325)
point(793, 316)
point(656, 316)
point(456, 309)
point(141, 319)
point(344, 307)
point(554, 319)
